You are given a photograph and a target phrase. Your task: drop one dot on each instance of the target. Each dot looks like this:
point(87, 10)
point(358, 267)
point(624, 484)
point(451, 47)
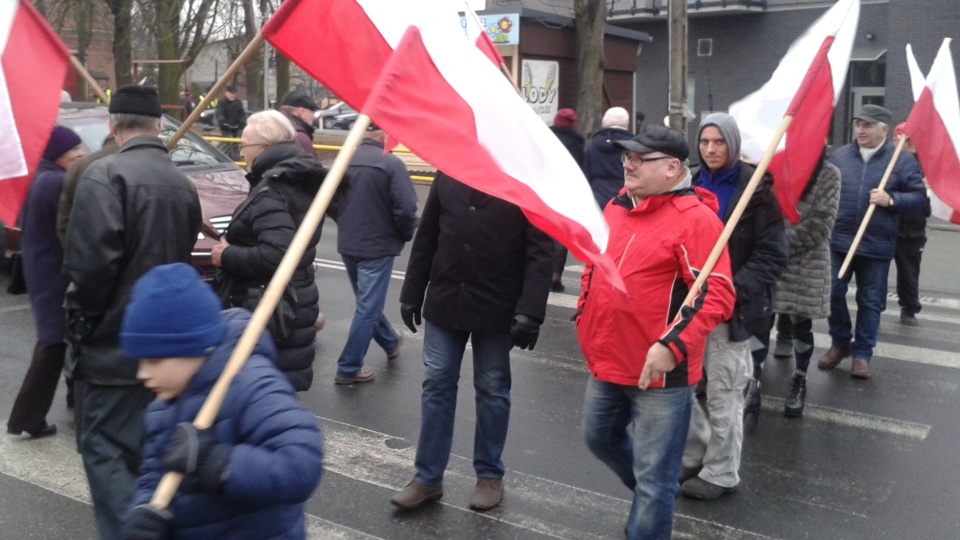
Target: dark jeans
point(370, 279)
point(640, 435)
point(907, 260)
point(871, 276)
point(110, 435)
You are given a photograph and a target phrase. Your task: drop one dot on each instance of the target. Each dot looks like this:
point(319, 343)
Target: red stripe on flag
point(349, 71)
point(812, 109)
point(451, 143)
point(35, 63)
point(935, 150)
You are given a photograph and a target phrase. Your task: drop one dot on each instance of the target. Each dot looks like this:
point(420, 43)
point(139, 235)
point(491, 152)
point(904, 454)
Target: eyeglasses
point(638, 161)
point(251, 144)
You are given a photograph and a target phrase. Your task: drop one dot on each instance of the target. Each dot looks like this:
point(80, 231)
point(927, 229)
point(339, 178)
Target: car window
point(191, 149)
point(92, 131)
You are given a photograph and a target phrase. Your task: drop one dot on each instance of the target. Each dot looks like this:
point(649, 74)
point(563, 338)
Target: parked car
point(327, 118)
point(220, 183)
point(344, 120)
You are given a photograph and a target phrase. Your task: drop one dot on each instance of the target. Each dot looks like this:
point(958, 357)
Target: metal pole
point(678, 65)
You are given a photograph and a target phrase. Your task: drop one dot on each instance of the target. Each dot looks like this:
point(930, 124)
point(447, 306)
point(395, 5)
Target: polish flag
point(806, 85)
point(33, 67)
point(445, 100)
point(934, 129)
point(478, 34)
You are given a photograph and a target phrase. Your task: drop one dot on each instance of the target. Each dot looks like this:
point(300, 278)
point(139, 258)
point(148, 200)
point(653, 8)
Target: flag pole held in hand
point(869, 214)
point(301, 240)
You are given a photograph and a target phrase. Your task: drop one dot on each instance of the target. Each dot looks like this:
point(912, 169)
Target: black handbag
point(18, 282)
point(248, 296)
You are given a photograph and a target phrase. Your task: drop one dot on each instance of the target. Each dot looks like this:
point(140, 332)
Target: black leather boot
point(751, 405)
point(793, 406)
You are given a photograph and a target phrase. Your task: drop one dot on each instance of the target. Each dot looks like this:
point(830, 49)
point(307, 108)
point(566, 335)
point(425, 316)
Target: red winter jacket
point(658, 247)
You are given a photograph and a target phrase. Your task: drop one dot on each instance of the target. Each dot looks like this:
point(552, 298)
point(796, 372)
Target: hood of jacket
point(287, 163)
point(730, 132)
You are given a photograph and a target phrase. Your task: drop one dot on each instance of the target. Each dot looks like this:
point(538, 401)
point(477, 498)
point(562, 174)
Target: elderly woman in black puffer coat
point(283, 183)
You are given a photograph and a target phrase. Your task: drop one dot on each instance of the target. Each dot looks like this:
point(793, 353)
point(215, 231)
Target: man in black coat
point(758, 254)
point(486, 274)
point(230, 114)
point(565, 128)
point(132, 211)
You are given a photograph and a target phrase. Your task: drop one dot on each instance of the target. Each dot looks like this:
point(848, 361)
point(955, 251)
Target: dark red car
point(221, 184)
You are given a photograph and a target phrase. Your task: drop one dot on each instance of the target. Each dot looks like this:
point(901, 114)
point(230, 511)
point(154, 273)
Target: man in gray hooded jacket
point(758, 254)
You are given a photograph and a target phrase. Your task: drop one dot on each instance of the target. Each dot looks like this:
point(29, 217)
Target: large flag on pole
point(33, 67)
point(806, 85)
point(478, 34)
point(934, 129)
point(450, 105)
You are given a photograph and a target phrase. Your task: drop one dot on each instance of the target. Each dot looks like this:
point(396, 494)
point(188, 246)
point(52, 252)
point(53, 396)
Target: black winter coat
point(602, 165)
point(132, 211)
point(478, 260)
point(758, 254)
point(283, 184)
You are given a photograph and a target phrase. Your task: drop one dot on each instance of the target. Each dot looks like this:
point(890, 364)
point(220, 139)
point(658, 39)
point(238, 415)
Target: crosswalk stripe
point(854, 419)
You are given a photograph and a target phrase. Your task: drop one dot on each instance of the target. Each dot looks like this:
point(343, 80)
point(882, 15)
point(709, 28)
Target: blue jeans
point(443, 350)
point(370, 279)
point(871, 275)
point(640, 435)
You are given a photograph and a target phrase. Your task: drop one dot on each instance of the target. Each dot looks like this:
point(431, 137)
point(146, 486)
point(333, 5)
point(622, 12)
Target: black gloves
point(524, 331)
point(410, 313)
point(79, 327)
point(196, 454)
point(145, 522)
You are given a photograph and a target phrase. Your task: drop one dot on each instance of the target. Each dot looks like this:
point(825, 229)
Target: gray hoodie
point(730, 132)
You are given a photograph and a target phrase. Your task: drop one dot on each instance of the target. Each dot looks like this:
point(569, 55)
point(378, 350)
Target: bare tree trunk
point(283, 76)
point(253, 69)
point(591, 16)
point(168, 30)
point(84, 10)
point(122, 18)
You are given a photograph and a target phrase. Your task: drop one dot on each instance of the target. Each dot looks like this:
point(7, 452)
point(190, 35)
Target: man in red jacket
point(643, 358)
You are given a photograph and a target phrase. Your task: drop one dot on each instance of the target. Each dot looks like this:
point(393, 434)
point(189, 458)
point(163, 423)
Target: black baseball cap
point(297, 98)
point(657, 139)
point(873, 114)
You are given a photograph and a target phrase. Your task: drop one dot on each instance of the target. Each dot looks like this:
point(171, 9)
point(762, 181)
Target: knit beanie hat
point(172, 314)
point(616, 117)
point(62, 140)
point(134, 99)
point(565, 118)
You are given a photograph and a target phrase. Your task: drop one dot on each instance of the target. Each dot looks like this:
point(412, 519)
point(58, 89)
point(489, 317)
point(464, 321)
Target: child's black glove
point(196, 453)
point(145, 522)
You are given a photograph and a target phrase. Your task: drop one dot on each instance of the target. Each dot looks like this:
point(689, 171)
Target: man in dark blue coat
point(485, 271)
point(862, 164)
point(375, 219)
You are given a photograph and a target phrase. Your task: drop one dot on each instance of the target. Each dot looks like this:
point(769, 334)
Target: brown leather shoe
point(401, 337)
point(860, 369)
point(833, 358)
point(365, 375)
point(487, 494)
point(416, 495)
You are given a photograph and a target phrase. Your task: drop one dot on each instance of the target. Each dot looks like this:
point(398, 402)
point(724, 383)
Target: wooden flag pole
point(738, 211)
point(208, 413)
point(82, 71)
point(245, 55)
point(870, 210)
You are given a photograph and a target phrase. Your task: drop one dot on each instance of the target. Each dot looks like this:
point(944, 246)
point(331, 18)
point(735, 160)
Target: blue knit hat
point(173, 314)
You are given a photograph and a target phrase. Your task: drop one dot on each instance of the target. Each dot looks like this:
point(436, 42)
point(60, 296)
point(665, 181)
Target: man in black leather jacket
point(132, 211)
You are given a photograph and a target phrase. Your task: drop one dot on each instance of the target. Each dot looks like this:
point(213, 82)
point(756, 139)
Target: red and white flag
point(806, 85)
point(934, 129)
point(448, 103)
point(33, 67)
point(478, 34)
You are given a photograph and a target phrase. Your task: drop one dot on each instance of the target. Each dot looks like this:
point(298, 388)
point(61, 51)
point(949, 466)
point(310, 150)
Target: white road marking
point(891, 426)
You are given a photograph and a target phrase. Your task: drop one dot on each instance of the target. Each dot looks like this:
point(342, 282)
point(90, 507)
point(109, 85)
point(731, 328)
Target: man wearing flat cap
point(132, 210)
point(643, 351)
point(230, 115)
point(758, 253)
point(299, 107)
point(862, 164)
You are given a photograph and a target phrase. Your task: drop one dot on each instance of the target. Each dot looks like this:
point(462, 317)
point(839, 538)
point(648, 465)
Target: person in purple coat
point(46, 285)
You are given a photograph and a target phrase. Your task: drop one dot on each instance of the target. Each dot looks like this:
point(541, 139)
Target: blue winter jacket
point(379, 213)
point(856, 180)
point(276, 461)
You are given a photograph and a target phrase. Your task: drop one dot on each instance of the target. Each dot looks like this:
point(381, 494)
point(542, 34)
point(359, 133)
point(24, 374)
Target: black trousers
point(907, 259)
point(38, 388)
point(799, 330)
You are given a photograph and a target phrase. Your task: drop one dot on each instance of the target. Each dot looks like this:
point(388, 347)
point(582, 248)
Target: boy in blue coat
point(247, 476)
